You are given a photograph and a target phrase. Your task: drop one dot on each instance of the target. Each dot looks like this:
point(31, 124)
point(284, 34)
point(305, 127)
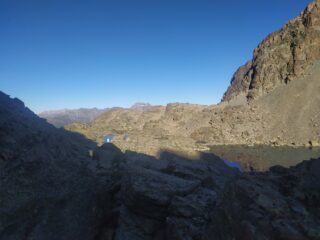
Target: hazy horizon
point(85, 54)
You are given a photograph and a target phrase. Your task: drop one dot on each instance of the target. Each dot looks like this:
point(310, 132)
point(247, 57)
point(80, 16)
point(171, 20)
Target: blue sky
point(99, 53)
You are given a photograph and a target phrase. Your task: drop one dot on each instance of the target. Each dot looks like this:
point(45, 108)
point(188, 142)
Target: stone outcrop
point(282, 57)
point(279, 204)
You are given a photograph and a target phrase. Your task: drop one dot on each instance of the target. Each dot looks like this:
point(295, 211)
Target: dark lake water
point(261, 157)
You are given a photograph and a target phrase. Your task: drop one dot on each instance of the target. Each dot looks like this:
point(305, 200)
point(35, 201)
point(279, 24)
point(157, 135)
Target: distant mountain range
point(60, 118)
point(141, 106)
point(63, 117)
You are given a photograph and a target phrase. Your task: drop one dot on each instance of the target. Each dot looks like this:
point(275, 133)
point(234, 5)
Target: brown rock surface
point(282, 57)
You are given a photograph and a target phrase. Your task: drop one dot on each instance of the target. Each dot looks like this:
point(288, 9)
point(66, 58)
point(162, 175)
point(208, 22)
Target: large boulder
point(280, 204)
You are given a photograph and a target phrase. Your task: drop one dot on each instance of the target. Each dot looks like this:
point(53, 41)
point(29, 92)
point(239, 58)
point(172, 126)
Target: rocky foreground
point(51, 188)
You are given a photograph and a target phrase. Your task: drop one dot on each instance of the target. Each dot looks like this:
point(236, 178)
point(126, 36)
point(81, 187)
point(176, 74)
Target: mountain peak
point(280, 58)
point(141, 106)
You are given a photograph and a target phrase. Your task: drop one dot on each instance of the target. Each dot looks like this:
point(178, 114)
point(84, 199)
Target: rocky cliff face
point(282, 57)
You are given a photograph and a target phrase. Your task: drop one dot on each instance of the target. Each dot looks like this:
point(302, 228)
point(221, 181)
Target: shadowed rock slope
point(279, 204)
point(51, 189)
point(47, 190)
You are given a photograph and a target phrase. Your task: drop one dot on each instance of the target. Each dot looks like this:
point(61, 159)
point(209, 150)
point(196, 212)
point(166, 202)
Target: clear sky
point(99, 53)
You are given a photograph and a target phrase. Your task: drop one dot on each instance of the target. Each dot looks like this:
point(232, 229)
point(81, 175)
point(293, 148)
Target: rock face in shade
point(47, 190)
point(279, 204)
point(51, 189)
point(282, 57)
point(166, 198)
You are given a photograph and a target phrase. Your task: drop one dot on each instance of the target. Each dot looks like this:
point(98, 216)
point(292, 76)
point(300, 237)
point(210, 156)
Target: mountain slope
point(293, 111)
point(282, 57)
point(46, 187)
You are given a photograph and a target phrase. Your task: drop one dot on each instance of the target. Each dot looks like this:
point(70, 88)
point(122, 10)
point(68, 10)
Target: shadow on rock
point(52, 188)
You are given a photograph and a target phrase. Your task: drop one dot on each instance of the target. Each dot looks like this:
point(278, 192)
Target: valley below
point(273, 100)
point(276, 129)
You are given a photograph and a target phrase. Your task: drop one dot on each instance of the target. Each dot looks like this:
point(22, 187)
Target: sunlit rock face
point(282, 57)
